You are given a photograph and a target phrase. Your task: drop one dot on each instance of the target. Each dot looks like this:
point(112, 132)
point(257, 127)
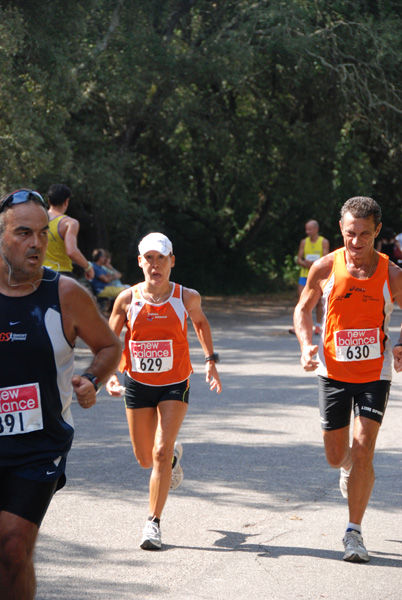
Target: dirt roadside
point(272, 306)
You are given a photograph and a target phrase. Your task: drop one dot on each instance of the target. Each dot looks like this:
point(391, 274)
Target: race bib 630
point(357, 344)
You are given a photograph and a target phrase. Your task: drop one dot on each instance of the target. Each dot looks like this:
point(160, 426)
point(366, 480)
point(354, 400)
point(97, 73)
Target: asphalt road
point(259, 513)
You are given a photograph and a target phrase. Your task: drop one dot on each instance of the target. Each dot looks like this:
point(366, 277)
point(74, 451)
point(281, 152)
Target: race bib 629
point(154, 356)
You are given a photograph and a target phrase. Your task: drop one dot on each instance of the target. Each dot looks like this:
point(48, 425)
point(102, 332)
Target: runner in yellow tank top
point(56, 255)
point(311, 248)
point(311, 251)
point(63, 231)
point(359, 286)
point(157, 367)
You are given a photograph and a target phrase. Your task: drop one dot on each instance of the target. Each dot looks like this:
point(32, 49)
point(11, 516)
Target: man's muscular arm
point(303, 314)
point(69, 232)
point(81, 318)
point(395, 281)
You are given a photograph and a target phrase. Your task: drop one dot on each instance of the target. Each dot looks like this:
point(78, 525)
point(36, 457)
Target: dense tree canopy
point(225, 124)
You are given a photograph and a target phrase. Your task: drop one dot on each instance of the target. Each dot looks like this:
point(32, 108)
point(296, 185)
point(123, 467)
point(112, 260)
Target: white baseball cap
point(155, 241)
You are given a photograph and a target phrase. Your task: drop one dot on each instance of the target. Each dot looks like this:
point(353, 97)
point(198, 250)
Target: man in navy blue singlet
point(41, 315)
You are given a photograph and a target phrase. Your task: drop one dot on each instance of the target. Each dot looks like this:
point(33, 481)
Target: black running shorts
point(337, 398)
point(26, 498)
point(138, 395)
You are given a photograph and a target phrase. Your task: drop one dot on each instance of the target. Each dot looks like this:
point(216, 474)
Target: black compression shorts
point(337, 398)
point(138, 395)
point(26, 498)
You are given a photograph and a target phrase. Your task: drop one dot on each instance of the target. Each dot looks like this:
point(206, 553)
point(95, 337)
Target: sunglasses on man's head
point(20, 197)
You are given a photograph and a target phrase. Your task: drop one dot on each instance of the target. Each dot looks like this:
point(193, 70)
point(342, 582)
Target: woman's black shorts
point(138, 395)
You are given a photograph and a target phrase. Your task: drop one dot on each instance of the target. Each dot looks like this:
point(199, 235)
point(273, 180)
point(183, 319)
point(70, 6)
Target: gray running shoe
point(355, 550)
point(151, 536)
point(177, 471)
point(343, 482)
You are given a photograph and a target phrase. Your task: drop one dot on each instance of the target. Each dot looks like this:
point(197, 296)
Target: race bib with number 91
point(20, 409)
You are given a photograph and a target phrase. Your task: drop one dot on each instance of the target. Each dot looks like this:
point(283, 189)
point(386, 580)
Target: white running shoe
point(151, 536)
point(355, 550)
point(177, 471)
point(343, 482)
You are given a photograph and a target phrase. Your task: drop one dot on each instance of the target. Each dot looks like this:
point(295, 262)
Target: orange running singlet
point(156, 350)
point(355, 346)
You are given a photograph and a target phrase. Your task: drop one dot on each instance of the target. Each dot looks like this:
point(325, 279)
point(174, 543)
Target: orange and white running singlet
point(156, 350)
point(355, 346)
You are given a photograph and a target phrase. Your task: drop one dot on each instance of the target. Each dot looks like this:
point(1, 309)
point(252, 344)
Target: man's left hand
point(397, 352)
point(84, 390)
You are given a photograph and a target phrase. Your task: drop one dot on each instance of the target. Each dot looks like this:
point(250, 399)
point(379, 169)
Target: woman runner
point(156, 366)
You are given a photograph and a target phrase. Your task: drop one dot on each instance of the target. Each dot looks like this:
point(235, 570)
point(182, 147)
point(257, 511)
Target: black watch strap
point(94, 380)
point(214, 356)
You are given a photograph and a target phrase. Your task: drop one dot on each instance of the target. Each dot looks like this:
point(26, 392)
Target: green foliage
point(291, 271)
point(225, 124)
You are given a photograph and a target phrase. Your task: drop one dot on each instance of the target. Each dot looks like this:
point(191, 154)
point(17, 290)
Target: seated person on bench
point(104, 283)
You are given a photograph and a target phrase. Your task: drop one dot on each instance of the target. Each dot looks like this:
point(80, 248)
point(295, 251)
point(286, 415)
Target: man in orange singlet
point(358, 286)
point(157, 368)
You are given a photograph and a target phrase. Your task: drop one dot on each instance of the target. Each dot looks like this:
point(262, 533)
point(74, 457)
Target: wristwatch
point(214, 356)
point(94, 380)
